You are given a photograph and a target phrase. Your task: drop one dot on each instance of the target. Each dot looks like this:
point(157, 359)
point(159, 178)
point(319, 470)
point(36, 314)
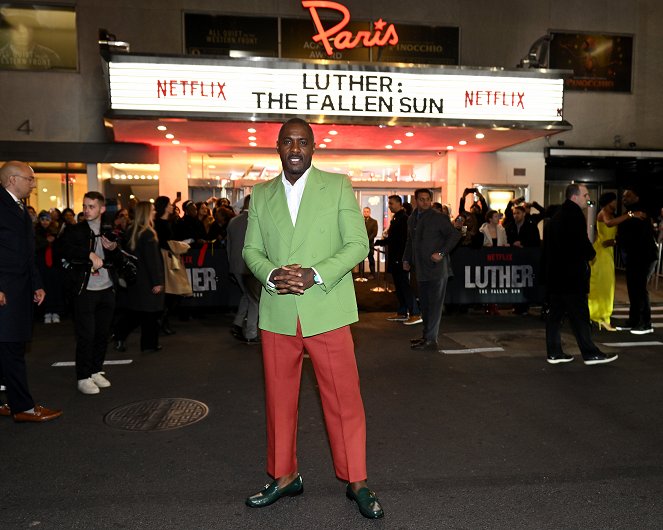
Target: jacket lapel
point(11, 204)
point(278, 209)
point(312, 203)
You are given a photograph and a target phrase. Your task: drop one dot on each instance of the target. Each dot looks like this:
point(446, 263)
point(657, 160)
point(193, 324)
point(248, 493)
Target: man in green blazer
point(305, 235)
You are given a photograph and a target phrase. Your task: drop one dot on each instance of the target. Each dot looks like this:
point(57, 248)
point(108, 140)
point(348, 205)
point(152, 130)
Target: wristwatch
point(316, 279)
point(629, 213)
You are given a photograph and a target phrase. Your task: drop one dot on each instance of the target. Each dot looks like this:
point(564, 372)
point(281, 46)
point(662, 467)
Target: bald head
point(18, 178)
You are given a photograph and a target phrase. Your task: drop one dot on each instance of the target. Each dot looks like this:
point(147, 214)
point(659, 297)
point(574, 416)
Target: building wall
point(69, 106)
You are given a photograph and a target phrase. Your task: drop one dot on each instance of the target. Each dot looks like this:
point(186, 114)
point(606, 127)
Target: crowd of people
point(424, 234)
point(118, 272)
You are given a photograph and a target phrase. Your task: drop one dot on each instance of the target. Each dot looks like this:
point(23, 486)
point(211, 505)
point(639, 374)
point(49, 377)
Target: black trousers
point(13, 375)
point(637, 276)
point(93, 317)
point(149, 327)
point(431, 298)
point(406, 301)
point(575, 306)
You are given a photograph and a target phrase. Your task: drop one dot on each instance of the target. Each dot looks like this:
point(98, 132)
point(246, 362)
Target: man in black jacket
point(567, 252)
point(91, 256)
point(430, 238)
point(20, 287)
point(635, 238)
point(408, 309)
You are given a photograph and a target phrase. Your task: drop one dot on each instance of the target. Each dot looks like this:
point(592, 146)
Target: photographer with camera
point(93, 256)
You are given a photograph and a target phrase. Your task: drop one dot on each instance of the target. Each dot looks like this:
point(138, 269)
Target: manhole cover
point(157, 414)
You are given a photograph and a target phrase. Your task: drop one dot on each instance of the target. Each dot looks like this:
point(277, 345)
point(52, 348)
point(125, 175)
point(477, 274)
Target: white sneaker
point(55, 318)
point(100, 380)
point(87, 386)
point(48, 318)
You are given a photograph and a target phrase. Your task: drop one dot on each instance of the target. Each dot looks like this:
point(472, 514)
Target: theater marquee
point(253, 90)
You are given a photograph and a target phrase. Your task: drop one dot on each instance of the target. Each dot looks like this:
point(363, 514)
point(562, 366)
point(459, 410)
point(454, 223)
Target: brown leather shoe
point(5, 410)
point(39, 415)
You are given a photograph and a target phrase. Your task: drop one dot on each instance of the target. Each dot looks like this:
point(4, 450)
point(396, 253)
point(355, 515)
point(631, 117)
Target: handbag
point(127, 269)
point(177, 280)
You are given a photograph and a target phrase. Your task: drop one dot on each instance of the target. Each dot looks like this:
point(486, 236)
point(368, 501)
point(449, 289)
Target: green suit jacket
point(329, 235)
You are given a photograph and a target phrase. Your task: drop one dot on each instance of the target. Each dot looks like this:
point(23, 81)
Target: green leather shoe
point(272, 493)
point(368, 503)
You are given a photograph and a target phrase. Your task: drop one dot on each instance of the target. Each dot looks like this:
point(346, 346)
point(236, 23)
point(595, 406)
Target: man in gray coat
point(20, 287)
point(250, 287)
point(430, 238)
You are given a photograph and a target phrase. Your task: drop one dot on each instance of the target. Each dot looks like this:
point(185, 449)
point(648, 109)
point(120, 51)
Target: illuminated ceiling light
point(45, 190)
point(322, 146)
point(116, 177)
point(397, 142)
point(327, 140)
point(333, 133)
point(480, 136)
point(212, 167)
point(156, 177)
point(123, 177)
point(389, 146)
point(251, 130)
point(409, 134)
point(143, 177)
point(253, 144)
point(162, 128)
point(132, 196)
point(450, 147)
point(462, 142)
point(176, 142)
point(152, 201)
point(129, 177)
point(252, 138)
point(53, 198)
point(170, 136)
point(149, 177)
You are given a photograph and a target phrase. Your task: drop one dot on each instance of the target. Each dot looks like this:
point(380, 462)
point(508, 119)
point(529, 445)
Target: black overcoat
point(567, 251)
point(19, 278)
point(150, 273)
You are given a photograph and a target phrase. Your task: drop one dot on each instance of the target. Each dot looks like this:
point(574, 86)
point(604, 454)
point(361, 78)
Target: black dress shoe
point(426, 345)
point(416, 341)
point(237, 331)
point(272, 493)
point(120, 346)
point(254, 340)
point(559, 358)
point(598, 358)
point(152, 350)
point(167, 330)
point(366, 500)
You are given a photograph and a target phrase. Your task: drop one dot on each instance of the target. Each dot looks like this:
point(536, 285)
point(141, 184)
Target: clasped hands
point(292, 279)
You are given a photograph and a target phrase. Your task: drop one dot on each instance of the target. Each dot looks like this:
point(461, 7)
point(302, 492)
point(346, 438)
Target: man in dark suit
point(20, 286)
point(431, 237)
point(395, 241)
point(635, 238)
point(247, 283)
point(567, 252)
point(372, 232)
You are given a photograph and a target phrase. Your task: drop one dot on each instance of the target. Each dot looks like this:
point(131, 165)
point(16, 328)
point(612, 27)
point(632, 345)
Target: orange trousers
point(335, 366)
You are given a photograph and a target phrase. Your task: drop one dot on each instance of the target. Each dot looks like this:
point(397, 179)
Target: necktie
point(20, 205)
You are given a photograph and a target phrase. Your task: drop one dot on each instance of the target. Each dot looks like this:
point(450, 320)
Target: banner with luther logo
point(500, 275)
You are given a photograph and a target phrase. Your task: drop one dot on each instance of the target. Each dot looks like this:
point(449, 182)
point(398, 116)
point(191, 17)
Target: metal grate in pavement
point(162, 414)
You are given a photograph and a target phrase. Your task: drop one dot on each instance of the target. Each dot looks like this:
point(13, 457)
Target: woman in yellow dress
point(602, 280)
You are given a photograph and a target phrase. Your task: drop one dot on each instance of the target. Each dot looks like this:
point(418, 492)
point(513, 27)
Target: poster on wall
point(422, 45)
point(600, 62)
point(230, 35)
point(38, 38)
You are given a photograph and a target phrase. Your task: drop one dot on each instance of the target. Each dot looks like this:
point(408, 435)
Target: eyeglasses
point(31, 179)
